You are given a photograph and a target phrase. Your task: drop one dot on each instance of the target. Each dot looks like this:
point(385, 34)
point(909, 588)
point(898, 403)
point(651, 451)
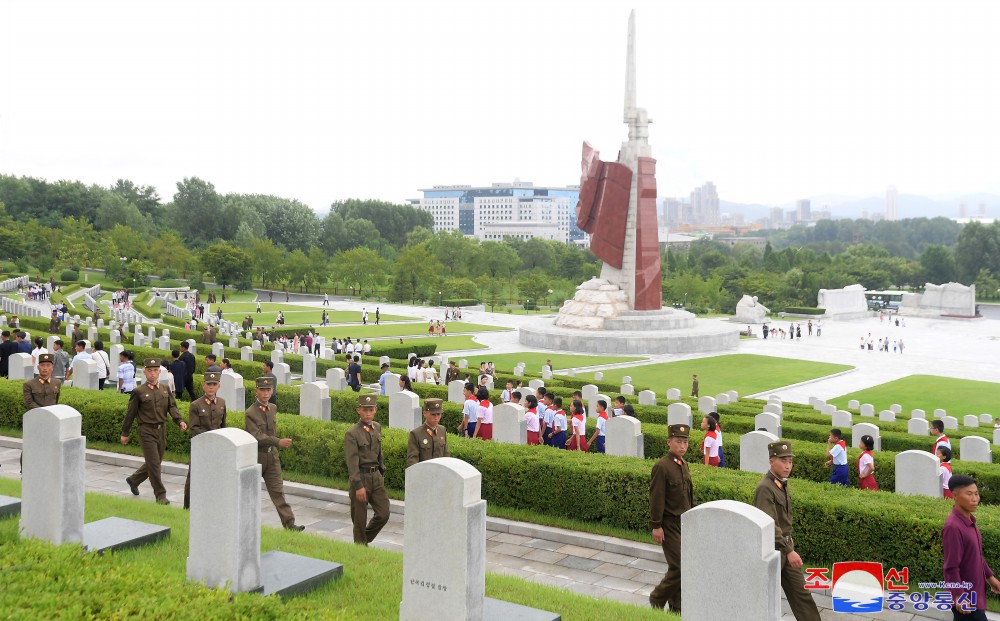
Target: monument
point(749, 310)
point(622, 310)
point(846, 303)
point(950, 299)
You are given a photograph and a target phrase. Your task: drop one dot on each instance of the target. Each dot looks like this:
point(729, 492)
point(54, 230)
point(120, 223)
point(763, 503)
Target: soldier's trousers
point(378, 499)
point(669, 589)
point(153, 440)
point(270, 467)
point(799, 599)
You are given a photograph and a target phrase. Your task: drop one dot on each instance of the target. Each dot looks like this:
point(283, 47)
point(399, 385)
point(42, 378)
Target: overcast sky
point(322, 101)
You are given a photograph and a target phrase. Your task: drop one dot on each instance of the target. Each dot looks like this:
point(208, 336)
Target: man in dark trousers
point(962, 548)
point(772, 497)
point(670, 495)
point(151, 402)
point(7, 348)
point(205, 414)
point(190, 363)
point(262, 424)
point(365, 467)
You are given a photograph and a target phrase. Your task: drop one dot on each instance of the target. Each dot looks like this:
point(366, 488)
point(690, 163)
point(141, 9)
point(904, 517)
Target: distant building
point(891, 204)
point(758, 242)
point(776, 217)
point(705, 205)
point(523, 217)
point(803, 210)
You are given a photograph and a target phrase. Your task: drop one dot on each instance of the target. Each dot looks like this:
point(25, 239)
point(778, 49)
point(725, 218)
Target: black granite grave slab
point(290, 574)
point(496, 610)
point(116, 533)
point(9, 506)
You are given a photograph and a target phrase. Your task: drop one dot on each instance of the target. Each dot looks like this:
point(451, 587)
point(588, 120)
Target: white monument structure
point(749, 310)
point(846, 303)
point(948, 299)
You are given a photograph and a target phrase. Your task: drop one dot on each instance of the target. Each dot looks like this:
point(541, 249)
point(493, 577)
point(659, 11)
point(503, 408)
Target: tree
point(319, 267)
point(297, 266)
point(537, 253)
point(126, 242)
point(227, 263)
point(977, 247)
point(937, 264)
point(196, 212)
point(393, 222)
point(142, 196)
point(414, 274)
point(268, 262)
point(358, 268)
point(81, 247)
point(490, 289)
point(168, 252)
point(453, 250)
point(986, 285)
point(419, 235)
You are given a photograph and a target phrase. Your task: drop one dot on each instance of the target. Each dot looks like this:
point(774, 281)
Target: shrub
point(69, 276)
point(460, 302)
point(805, 310)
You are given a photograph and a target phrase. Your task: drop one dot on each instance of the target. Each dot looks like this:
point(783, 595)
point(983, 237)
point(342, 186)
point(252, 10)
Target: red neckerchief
point(842, 444)
point(485, 403)
point(533, 411)
point(946, 465)
point(603, 415)
point(578, 417)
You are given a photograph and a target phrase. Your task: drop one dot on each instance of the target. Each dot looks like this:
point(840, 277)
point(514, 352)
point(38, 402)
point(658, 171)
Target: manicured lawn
point(745, 373)
point(928, 392)
point(444, 343)
point(535, 360)
point(399, 329)
point(63, 582)
point(295, 314)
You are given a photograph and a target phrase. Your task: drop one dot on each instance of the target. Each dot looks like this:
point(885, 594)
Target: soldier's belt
point(153, 425)
point(369, 469)
point(269, 449)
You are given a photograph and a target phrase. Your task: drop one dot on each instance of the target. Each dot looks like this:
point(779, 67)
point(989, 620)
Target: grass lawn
point(296, 314)
point(745, 373)
point(928, 392)
point(62, 582)
point(535, 360)
point(444, 343)
point(399, 329)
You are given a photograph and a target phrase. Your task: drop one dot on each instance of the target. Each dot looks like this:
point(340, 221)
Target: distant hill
point(910, 206)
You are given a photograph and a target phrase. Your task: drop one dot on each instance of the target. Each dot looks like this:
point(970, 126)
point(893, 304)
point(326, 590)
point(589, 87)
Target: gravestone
point(626, 379)
point(138, 341)
point(219, 350)
point(246, 353)
point(509, 426)
point(895, 408)
point(278, 347)
point(773, 408)
point(647, 397)
point(599, 376)
point(489, 382)
point(535, 384)
point(336, 379)
point(885, 416)
point(769, 422)
point(546, 374)
point(463, 363)
point(842, 419)
point(917, 474)
point(255, 345)
point(234, 342)
point(950, 422)
point(918, 427)
point(192, 346)
point(918, 413)
point(116, 336)
point(314, 400)
point(706, 405)
point(456, 391)
point(571, 373)
point(20, 367)
point(733, 396)
point(865, 429)
point(753, 451)
point(775, 399)
point(624, 437)
point(828, 409)
point(50, 342)
point(853, 404)
point(233, 392)
point(404, 410)
point(970, 420)
point(151, 333)
point(868, 410)
point(996, 437)
point(589, 391)
point(986, 419)
point(384, 360)
point(85, 374)
point(163, 343)
point(113, 355)
point(284, 374)
point(721, 399)
point(69, 332)
point(729, 529)
point(518, 371)
point(592, 405)
point(975, 448)
point(939, 413)
point(679, 414)
point(277, 356)
point(673, 394)
point(392, 384)
point(92, 334)
point(308, 368)
point(627, 390)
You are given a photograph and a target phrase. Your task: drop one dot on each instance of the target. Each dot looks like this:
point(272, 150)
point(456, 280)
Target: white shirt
point(411, 372)
point(79, 356)
point(839, 455)
point(602, 422)
point(866, 462)
point(579, 425)
point(103, 363)
point(34, 356)
point(531, 419)
point(711, 445)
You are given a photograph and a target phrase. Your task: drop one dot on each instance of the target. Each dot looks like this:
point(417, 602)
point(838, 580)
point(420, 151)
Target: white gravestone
point(444, 577)
point(647, 397)
point(733, 396)
point(404, 410)
point(774, 408)
point(986, 419)
point(277, 356)
point(775, 399)
point(598, 376)
point(163, 343)
point(729, 529)
point(52, 484)
point(218, 349)
point(917, 474)
point(918, 413)
point(336, 379)
point(589, 391)
point(970, 420)
point(975, 448)
point(624, 437)
point(509, 426)
point(571, 373)
point(92, 334)
point(192, 346)
point(284, 374)
point(255, 345)
point(85, 374)
point(233, 392)
point(886, 416)
point(151, 332)
point(865, 429)
point(626, 379)
point(463, 363)
point(918, 427)
point(842, 419)
point(224, 540)
point(392, 384)
point(939, 413)
point(314, 400)
point(996, 437)
point(828, 409)
point(20, 367)
point(721, 399)
point(853, 404)
point(673, 394)
point(895, 408)
point(384, 360)
point(246, 353)
point(627, 390)
point(518, 372)
point(234, 342)
point(535, 384)
point(706, 405)
point(950, 422)
point(769, 422)
point(753, 451)
point(113, 355)
point(116, 336)
point(308, 368)
point(546, 374)
point(592, 405)
point(868, 410)
point(679, 414)
point(456, 391)
point(489, 382)
point(137, 340)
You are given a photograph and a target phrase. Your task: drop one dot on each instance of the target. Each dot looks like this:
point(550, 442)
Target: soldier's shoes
point(132, 486)
point(162, 501)
point(296, 527)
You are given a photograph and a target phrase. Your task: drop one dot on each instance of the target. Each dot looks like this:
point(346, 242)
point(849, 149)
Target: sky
point(322, 101)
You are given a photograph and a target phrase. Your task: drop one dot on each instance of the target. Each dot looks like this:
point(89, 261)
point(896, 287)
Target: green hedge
point(805, 310)
point(460, 302)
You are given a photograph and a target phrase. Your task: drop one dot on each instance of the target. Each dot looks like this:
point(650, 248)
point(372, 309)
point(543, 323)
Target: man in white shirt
point(81, 354)
point(367, 348)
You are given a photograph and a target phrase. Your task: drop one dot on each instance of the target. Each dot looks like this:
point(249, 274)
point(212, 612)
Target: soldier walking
point(670, 495)
point(205, 414)
point(363, 449)
point(261, 421)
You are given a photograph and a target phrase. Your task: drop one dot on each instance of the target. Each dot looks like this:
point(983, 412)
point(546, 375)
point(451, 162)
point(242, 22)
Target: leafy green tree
point(987, 286)
point(267, 261)
point(319, 267)
point(937, 264)
point(126, 242)
point(168, 252)
point(414, 274)
point(227, 263)
point(977, 247)
point(359, 268)
point(419, 235)
point(142, 196)
point(537, 253)
point(297, 266)
point(81, 247)
point(195, 212)
point(393, 222)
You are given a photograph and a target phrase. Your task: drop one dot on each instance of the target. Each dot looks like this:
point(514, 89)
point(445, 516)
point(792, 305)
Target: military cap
point(780, 449)
point(212, 377)
point(679, 431)
point(150, 363)
point(265, 383)
point(365, 401)
point(46, 358)
point(434, 406)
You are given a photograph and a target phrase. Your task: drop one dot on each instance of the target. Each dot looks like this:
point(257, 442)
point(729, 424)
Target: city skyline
point(773, 102)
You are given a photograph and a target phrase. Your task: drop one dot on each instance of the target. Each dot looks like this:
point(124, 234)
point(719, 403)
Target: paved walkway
point(604, 567)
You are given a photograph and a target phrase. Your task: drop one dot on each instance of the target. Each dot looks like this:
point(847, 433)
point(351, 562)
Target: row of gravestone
point(13, 284)
point(868, 410)
point(917, 424)
point(12, 306)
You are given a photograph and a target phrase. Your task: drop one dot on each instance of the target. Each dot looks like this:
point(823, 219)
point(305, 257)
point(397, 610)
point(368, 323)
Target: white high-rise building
point(444, 210)
point(891, 204)
point(524, 217)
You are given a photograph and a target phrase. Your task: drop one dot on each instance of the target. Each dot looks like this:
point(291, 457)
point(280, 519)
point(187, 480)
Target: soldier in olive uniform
point(670, 495)
point(54, 323)
point(78, 334)
point(363, 448)
point(205, 414)
point(772, 497)
point(429, 440)
point(43, 390)
point(151, 402)
point(261, 422)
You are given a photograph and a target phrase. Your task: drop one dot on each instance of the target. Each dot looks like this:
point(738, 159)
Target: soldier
point(772, 497)
point(43, 390)
point(151, 403)
point(670, 495)
point(54, 323)
point(205, 414)
point(77, 333)
point(363, 448)
point(429, 440)
point(261, 422)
